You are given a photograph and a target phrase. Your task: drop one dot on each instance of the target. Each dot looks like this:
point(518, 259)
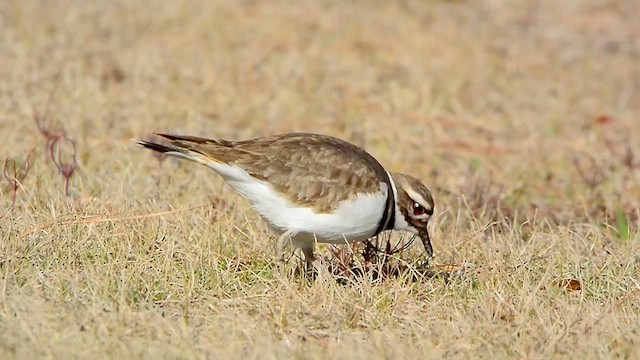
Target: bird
point(311, 188)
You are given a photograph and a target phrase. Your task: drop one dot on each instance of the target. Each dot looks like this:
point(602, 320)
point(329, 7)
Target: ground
point(523, 118)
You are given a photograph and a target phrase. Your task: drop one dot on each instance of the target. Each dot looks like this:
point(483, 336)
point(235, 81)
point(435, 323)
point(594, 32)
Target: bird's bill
point(426, 241)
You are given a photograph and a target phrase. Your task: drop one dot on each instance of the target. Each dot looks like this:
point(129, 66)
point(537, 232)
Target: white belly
point(353, 220)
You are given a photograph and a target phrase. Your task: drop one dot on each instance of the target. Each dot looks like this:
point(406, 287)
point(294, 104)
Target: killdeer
point(312, 188)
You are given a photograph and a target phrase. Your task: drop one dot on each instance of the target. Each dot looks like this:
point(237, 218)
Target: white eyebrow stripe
point(417, 198)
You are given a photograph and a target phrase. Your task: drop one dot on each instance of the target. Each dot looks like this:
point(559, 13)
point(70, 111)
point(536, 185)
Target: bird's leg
point(309, 258)
point(312, 263)
point(282, 242)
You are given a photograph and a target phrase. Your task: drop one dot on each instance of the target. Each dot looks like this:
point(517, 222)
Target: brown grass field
point(522, 117)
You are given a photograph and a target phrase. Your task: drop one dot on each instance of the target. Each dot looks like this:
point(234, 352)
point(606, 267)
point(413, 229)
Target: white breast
point(353, 220)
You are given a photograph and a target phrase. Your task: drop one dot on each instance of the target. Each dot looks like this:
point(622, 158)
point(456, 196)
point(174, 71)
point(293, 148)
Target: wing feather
point(313, 169)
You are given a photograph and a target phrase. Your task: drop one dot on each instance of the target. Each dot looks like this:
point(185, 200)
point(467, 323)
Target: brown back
point(315, 170)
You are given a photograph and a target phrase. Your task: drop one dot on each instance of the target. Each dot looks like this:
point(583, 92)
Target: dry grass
point(523, 118)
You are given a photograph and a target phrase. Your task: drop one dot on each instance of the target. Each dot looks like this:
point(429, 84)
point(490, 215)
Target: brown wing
point(313, 169)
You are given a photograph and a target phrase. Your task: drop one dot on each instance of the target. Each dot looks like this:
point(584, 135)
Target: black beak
point(426, 241)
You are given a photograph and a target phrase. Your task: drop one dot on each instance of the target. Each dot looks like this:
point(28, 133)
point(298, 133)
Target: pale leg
point(282, 242)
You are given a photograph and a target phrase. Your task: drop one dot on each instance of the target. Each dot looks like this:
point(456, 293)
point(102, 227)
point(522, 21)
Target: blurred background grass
point(522, 117)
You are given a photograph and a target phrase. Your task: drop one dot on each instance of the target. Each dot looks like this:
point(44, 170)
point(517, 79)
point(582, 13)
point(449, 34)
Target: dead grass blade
point(102, 218)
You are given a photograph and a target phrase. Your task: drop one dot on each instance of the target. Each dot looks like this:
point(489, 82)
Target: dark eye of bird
point(418, 209)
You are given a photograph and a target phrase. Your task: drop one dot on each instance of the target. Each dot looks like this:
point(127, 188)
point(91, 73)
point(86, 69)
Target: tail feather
point(176, 150)
point(163, 148)
point(186, 139)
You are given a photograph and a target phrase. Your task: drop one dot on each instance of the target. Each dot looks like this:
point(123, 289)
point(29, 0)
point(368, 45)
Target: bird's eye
point(421, 210)
point(418, 209)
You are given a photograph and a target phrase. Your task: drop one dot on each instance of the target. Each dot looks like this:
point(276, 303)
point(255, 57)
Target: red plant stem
point(66, 169)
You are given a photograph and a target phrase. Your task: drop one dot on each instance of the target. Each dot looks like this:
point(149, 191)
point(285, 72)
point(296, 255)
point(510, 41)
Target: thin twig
point(66, 168)
point(97, 219)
